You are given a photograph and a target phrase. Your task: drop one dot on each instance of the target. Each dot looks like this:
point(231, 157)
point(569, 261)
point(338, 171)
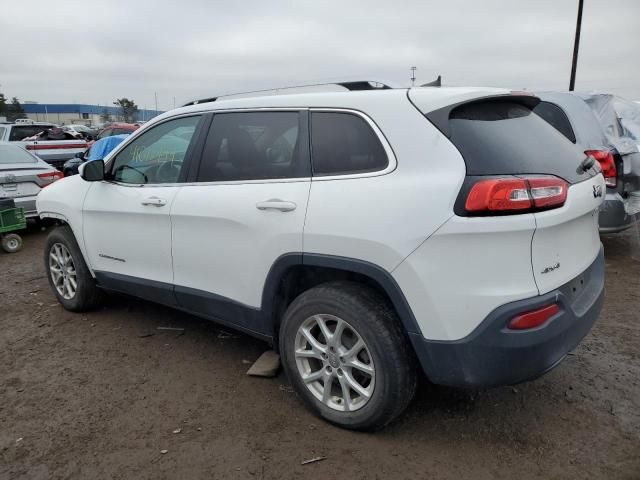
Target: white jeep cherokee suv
point(364, 233)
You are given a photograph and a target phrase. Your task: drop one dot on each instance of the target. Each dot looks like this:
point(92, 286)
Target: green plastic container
point(12, 219)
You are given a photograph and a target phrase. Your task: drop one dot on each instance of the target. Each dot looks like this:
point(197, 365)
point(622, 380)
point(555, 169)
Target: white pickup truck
point(54, 152)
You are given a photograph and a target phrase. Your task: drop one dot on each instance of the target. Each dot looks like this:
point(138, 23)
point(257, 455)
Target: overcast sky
point(95, 51)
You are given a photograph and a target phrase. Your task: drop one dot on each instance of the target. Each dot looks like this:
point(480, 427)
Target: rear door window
point(555, 116)
point(344, 143)
point(255, 146)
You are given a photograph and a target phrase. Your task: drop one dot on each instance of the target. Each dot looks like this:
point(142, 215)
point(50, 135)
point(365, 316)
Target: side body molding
point(259, 322)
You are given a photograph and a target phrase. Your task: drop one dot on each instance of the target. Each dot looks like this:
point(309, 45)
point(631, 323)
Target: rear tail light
point(534, 318)
point(50, 177)
point(517, 195)
point(607, 164)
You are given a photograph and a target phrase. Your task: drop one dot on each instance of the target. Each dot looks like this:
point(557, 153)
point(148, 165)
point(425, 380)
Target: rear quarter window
point(344, 143)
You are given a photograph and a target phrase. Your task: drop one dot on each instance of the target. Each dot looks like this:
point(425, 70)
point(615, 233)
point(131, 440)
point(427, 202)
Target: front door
point(127, 225)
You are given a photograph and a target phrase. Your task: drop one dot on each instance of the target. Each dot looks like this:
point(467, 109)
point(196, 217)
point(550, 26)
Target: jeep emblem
point(597, 191)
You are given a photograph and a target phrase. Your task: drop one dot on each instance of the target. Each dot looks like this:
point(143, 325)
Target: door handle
point(276, 204)
point(154, 201)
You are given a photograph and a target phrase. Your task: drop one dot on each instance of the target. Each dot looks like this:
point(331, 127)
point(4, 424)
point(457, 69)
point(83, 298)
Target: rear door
point(243, 210)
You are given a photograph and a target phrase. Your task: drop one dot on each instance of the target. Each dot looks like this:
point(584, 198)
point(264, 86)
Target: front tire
point(345, 354)
point(69, 277)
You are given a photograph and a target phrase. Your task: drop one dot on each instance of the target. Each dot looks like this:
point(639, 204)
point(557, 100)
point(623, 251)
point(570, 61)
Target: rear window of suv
point(504, 137)
point(344, 143)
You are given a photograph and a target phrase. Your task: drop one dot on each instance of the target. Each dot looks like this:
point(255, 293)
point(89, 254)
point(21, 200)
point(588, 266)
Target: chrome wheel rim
point(63, 271)
point(12, 244)
point(334, 363)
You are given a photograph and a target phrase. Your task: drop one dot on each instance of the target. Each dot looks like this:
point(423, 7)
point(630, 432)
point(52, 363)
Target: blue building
point(79, 113)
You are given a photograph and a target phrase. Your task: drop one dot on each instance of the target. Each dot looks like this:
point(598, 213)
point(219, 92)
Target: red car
point(116, 129)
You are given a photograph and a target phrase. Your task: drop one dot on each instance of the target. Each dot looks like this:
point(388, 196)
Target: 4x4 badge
point(597, 191)
point(551, 268)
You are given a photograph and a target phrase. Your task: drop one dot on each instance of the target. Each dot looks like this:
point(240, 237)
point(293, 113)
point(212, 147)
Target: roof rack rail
point(349, 85)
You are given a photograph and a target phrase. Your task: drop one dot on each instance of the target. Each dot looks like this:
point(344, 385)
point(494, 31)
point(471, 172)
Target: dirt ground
point(101, 395)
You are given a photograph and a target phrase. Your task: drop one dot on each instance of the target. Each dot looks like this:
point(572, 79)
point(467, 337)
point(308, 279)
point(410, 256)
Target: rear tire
point(69, 277)
point(382, 371)
point(11, 243)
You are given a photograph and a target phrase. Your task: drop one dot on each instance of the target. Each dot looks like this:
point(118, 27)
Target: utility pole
point(576, 45)
point(413, 76)
point(156, 97)
point(174, 102)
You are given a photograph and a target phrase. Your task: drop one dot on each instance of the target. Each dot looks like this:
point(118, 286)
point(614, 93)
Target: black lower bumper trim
point(493, 355)
point(613, 216)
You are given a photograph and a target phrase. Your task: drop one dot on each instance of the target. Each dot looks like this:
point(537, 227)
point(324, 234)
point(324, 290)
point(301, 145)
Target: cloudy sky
point(95, 51)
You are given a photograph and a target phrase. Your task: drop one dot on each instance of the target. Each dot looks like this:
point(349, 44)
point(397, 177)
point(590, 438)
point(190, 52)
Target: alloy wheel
point(63, 271)
point(334, 362)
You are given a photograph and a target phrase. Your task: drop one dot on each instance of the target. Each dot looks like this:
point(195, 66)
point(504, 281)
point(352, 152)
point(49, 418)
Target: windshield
point(15, 154)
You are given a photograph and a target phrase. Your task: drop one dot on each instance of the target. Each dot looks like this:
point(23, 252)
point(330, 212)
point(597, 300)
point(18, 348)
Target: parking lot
point(102, 395)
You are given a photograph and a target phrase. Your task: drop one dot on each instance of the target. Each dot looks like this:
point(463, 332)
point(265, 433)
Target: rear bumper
point(29, 205)
point(617, 214)
point(492, 355)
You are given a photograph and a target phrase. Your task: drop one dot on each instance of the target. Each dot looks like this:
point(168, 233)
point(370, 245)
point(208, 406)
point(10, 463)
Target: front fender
point(63, 200)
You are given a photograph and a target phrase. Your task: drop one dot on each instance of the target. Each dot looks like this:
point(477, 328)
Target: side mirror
point(92, 171)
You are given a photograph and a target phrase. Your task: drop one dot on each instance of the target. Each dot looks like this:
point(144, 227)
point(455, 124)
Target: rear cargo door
point(502, 137)
point(566, 240)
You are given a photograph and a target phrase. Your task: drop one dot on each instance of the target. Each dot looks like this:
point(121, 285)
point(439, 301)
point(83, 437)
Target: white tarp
point(629, 115)
point(617, 131)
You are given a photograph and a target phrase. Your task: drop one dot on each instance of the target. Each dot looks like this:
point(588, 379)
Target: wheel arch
point(63, 221)
point(294, 273)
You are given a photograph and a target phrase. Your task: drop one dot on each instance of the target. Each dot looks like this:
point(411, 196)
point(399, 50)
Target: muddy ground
point(100, 395)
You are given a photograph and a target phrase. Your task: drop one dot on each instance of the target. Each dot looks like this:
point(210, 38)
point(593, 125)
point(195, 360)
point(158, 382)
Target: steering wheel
point(168, 172)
